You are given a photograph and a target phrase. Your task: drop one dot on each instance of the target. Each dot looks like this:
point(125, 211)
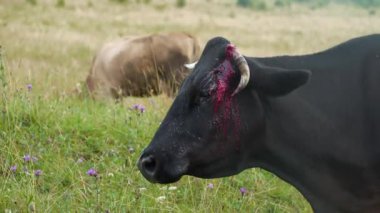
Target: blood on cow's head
point(225, 79)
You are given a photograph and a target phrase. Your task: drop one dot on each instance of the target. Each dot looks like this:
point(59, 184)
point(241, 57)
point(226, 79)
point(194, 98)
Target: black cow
point(319, 132)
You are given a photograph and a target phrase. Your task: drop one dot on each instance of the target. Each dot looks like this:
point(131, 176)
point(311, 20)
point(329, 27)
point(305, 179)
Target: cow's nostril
point(149, 164)
point(156, 168)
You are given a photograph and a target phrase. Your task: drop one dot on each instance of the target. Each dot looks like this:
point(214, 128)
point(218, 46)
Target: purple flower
point(210, 186)
point(142, 108)
point(13, 168)
point(29, 158)
point(139, 107)
point(92, 172)
point(38, 172)
point(243, 191)
point(29, 87)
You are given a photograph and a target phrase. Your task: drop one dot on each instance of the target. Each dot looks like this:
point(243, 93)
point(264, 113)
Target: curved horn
point(244, 71)
point(191, 65)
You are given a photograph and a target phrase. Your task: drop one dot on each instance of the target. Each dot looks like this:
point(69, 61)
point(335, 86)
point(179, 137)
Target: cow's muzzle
point(160, 169)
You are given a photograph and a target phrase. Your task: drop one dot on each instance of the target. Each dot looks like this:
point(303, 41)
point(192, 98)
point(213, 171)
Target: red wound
point(225, 109)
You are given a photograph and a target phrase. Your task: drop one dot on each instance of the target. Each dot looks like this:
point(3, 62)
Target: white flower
point(110, 174)
point(160, 198)
point(172, 188)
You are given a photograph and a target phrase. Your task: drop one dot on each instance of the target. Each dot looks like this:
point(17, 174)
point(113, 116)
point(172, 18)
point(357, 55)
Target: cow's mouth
point(160, 170)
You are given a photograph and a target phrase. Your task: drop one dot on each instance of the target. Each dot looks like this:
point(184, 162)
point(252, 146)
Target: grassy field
point(53, 133)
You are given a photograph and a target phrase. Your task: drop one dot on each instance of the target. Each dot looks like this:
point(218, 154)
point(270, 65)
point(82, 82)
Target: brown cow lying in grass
point(141, 66)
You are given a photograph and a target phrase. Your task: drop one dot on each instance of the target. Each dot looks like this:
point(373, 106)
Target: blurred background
point(54, 41)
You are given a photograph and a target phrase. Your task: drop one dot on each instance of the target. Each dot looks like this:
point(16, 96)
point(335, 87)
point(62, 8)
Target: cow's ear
point(275, 81)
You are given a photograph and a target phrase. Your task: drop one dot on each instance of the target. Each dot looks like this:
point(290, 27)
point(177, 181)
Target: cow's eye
point(198, 98)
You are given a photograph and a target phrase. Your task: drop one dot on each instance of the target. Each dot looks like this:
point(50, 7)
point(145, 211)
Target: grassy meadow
point(52, 133)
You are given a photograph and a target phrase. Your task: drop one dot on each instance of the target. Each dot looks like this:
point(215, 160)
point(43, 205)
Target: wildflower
point(92, 172)
point(38, 172)
point(172, 188)
point(142, 189)
point(139, 107)
point(160, 198)
point(210, 186)
point(243, 191)
point(136, 106)
point(29, 87)
point(110, 174)
point(29, 158)
point(131, 149)
point(142, 108)
point(13, 168)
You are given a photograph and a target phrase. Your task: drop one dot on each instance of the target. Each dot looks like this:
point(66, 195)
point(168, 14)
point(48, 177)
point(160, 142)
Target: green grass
point(50, 45)
point(109, 138)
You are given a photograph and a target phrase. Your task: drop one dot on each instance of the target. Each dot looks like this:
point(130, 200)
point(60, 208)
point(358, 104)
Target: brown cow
point(141, 66)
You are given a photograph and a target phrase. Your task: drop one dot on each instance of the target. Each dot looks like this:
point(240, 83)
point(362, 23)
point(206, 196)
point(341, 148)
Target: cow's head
point(216, 124)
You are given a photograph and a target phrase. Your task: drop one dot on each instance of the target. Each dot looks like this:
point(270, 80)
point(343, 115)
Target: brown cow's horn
point(244, 71)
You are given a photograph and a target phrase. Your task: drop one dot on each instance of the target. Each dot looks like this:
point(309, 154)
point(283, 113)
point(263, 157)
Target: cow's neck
point(294, 157)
